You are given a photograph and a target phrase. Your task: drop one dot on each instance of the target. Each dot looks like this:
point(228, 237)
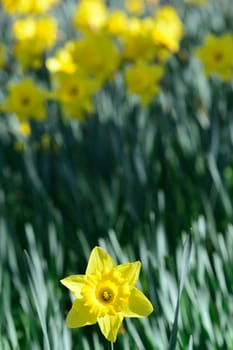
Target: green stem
point(111, 346)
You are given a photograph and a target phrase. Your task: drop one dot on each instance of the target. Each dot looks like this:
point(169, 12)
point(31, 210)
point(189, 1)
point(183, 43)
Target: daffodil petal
point(109, 325)
point(138, 305)
point(99, 260)
point(74, 283)
point(130, 272)
point(79, 315)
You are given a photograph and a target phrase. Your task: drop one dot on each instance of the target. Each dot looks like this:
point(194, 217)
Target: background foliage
point(136, 181)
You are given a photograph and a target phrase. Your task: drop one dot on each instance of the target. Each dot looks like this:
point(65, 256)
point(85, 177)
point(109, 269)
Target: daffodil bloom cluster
point(97, 55)
point(146, 39)
point(63, 61)
point(106, 294)
point(106, 41)
point(216, 55)
point(163, 29)
point(113, 40)
point(27, 6)
point(34, 36)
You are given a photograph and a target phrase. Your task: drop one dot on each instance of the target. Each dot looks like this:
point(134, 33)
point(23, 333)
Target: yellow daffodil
point(28, 55)
point(106, 294)
point(27, 6)
point(63, 61)
point(117, 22)
point(41, 32)
point(26, 100)
point(16, 6)
point(142, 79)
point(70, 87)
point(33, 37)
point(168, 28)
point(91, 15)
point(136, 7)
point(74, 91)
point(216, 55)
point(137, 40)
point(97, 55)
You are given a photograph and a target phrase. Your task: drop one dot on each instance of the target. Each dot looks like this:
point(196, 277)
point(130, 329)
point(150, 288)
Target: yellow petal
point(79, 315)
point(99, 260)
point(109, 326)
point(74, 284)
point(138, 305)
point(130, 272)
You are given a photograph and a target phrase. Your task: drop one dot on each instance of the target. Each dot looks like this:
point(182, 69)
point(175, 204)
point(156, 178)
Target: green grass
point(34, 304)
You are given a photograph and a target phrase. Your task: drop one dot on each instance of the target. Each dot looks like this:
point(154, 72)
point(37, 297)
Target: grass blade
point(184, 270)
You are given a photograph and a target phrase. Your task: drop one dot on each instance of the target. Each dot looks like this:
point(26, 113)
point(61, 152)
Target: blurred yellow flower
point(216, 55)
point(70, 87)
point(142, 79)
point(27, 6)
point(168, 28)
point(28, 55)
point(63, 61)
point(137, 40)
point(33, 37)
point(91, 15)
point(2, 55)
point(75, 92)
point(117, 22)
point(135, 7)
point(97, 55)
point(24, 129)
point(26, 100)
point(41, 6)
point(41, 32)
point(106, 294)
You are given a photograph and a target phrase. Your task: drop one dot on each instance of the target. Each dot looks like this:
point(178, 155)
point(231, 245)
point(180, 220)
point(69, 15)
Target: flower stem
point(111, 346)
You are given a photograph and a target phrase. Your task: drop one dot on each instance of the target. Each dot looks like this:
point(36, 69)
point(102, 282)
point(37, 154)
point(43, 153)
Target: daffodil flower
point(216, 55)
point(106, 294)
point(26, 100)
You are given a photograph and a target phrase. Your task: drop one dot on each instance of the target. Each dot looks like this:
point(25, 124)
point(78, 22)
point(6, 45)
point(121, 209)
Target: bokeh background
point(116, 129)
